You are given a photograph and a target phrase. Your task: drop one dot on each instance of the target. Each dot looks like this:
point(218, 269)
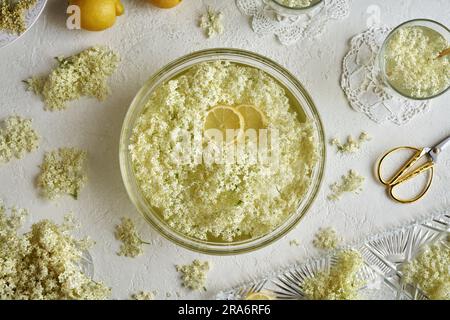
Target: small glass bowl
point(434, 25)
point(294, 11)
point(296, 91)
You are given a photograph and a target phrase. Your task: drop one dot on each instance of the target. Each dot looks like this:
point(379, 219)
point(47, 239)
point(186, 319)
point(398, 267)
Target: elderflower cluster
point(211, 22)
point(352, 145)
point(340, 283)
point(12, 15)
point(82, 75)
point(62, 172)
point(226, 201)
point(352, 182)
point(326, 239)
point(131, 242)
point(17, 137)
point(194, 275)
point(430, 271)
point(296, 3)
point(143, 295)
point(44, 263)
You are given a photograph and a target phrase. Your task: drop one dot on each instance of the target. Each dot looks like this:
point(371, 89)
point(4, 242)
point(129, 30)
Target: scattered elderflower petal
point(430, 271)
point(352, 145)
point(340, 283)
point(294, 243)
point(62, 172)
point(143, 295)
point(44, 263)
point(82, 75)
point(326, 239)
point(211, 22)
point(350, 183)
point(296, 3)
point(194, 275)
point(12, 15)
point(17, 137)
point(131, 242)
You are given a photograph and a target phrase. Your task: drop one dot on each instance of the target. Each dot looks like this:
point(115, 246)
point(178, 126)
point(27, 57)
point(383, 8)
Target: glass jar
point(254, 60)
point(431, 24)
point(285, 10)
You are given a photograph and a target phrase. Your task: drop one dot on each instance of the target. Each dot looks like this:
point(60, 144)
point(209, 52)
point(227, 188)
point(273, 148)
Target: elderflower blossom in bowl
point(412, 62)
point(222, 196)
point(293, 7)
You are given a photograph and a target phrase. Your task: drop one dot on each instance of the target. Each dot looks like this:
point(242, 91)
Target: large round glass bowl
point(296, 91)
point(431, 24)
point(282, 9)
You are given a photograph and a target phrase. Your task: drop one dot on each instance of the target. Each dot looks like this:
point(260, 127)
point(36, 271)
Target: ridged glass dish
point(383, 254)
point(299, 95)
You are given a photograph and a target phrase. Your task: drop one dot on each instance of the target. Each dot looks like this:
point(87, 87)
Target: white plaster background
point(147, 39)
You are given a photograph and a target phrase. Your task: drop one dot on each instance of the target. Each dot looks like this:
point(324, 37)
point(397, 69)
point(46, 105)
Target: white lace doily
point(289, 28)
point(30, 18)
point(364, 87)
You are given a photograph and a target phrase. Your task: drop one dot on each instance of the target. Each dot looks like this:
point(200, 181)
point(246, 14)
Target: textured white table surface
point(147, 39)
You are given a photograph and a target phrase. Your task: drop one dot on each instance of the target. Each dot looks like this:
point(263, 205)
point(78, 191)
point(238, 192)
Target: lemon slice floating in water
point(223, 118)
point(253, 117)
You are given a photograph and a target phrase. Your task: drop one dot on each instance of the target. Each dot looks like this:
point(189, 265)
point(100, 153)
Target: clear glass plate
point(31, 17)
point(383, 254)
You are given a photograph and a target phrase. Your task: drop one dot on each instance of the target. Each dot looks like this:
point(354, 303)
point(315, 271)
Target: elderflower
point(227, 201)
point(62, 172)
point(131, 242)
point(350, 183)
point(340, 283)
point(326, 239)
point(352, 145)
point(430, 271)
point(296, 3)
point(412, 66)
point(211, 22)
point(194, 275)
point(12, 15)
point(84, 74)
point(16, 138)
point(143, 295)
point(44, 263)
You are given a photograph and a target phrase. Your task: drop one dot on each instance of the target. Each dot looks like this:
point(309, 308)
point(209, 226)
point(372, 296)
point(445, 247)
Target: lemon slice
point(259, 296)
point(253, 117)
point(223, 118)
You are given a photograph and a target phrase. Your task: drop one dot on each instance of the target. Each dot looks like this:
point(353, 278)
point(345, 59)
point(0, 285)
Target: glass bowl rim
point(225, 248)
point(381, 60)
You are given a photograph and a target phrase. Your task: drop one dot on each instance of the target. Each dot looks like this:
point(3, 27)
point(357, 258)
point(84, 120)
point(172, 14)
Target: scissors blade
point(436, 150)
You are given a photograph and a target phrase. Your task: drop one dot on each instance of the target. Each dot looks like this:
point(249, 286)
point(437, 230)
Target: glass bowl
point(296, 91)
point(434, 25)
point(286, 10)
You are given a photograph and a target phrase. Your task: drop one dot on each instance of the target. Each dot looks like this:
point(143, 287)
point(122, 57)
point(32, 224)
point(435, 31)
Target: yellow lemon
point(165, 4)
point(223, 118)
point(259, 296)
point(253, 117)
point(98, 15)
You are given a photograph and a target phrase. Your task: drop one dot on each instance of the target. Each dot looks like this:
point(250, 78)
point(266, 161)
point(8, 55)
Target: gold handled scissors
point(407, 171)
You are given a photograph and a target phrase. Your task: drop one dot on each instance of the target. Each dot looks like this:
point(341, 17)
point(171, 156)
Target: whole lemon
point(166, 4)
point(98, 15)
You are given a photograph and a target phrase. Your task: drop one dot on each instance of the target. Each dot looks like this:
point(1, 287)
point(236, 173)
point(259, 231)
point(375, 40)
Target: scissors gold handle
point(405, 173)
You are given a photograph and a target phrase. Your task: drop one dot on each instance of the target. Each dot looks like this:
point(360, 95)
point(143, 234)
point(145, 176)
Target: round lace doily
point(30, 18)
point(290, 29)
point(364, 87)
